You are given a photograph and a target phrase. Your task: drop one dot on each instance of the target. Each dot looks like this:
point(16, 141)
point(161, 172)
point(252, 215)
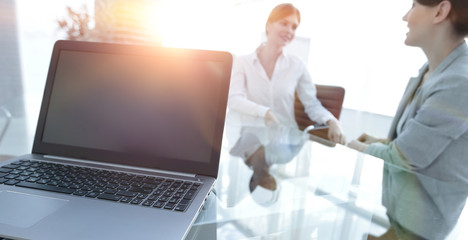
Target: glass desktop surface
point(321, 193)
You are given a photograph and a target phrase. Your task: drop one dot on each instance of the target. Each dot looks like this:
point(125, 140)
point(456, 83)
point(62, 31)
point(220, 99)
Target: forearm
point(242, 105)
point(389, 153)
point(319, 114)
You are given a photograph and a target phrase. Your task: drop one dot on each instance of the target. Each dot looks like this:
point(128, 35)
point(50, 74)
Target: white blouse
point(253, 93)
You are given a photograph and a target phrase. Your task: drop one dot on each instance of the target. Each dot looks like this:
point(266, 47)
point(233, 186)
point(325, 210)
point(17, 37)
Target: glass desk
point(324, 193)
point(321, 192)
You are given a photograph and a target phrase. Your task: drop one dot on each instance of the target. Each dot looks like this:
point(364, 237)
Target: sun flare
point(185, 23)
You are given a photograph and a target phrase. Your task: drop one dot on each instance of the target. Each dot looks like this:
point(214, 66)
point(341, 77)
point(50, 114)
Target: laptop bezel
point(161, 163)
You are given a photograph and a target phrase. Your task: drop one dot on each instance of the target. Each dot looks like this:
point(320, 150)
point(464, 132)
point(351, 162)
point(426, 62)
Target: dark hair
point(282, 11)
point(458, 14)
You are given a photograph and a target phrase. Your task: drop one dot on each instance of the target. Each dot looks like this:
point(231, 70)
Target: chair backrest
point(331, 97)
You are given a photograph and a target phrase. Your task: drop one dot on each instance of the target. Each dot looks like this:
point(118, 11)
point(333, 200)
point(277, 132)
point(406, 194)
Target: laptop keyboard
point(149, 191)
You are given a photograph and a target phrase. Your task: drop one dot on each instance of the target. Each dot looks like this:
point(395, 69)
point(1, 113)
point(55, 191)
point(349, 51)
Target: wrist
point(329, 122)
point(332, 123)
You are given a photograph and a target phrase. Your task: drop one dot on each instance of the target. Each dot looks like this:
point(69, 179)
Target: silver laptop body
point(150, 119)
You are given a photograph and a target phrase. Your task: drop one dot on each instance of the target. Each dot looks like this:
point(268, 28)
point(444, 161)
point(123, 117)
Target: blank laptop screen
point(136, 104)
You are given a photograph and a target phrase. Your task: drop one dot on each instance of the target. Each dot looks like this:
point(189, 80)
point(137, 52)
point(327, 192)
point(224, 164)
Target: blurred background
point(354, 44)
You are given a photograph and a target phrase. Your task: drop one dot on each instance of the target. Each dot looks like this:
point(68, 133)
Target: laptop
point(127, 144)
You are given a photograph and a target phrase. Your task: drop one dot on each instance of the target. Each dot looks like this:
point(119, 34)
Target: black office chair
point(332, 98)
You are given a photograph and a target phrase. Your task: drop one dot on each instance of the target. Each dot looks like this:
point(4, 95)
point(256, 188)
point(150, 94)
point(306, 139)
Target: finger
point(362, 138)
point(343, 140)
point(338, 138)
point(352, 144)
point(335, 139)
point(330, 135)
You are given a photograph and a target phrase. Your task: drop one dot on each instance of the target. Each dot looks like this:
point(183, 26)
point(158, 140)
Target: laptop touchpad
point(24, 210)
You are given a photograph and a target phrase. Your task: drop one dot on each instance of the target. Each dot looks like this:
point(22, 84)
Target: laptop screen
point(165, 105)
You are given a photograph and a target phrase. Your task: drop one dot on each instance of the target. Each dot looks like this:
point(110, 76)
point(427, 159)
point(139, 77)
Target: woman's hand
point(357, 145)
point(270, 118)
point(363, 141)
point(368, 139)
point(335, 133)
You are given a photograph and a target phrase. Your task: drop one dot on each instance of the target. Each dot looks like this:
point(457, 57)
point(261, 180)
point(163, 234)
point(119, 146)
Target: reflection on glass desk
point(319, 192)
point(322, 193)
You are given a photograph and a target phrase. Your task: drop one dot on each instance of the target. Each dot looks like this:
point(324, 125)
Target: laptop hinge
point(118, 166)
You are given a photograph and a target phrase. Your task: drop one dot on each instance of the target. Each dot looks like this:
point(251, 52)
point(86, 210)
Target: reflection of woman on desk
point(263, 85)
point(429, 134)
